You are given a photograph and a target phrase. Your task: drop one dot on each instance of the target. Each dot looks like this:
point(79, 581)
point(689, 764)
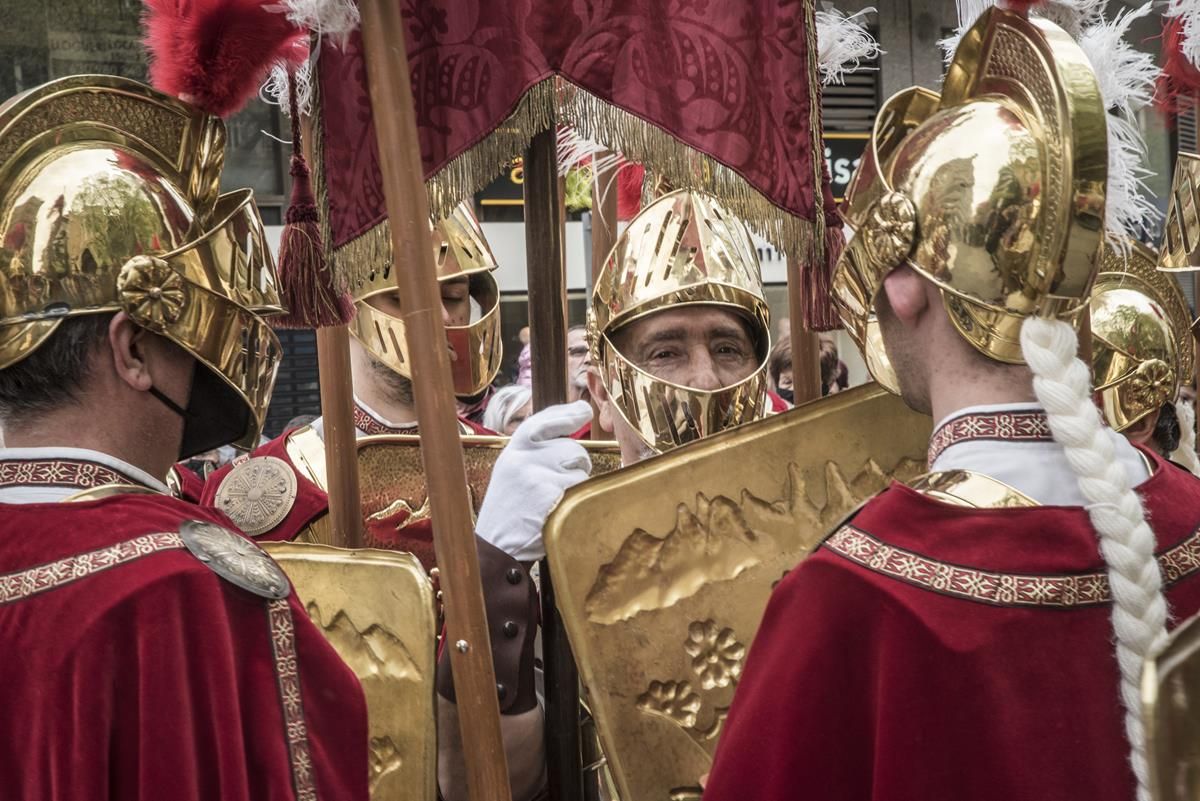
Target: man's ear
point(600, 397)
point(906, 295)
point(128, 352)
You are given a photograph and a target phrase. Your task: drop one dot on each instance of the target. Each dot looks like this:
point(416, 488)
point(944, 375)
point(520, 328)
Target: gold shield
point(663, 570)
point(390, 470)
point(1171, 704)
point(376, 608)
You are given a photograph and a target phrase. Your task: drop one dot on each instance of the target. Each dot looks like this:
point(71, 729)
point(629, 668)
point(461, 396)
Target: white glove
point(537, 466)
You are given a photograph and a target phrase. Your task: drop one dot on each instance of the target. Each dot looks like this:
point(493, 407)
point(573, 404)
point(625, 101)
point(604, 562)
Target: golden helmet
point(993, 190)
point(684, 248)
point(109, 202)
point(1141, 336)
point(460, 250)
point(1181, 231)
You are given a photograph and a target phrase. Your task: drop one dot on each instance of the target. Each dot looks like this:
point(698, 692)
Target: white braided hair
point(1185, 454)
point(1062, 384)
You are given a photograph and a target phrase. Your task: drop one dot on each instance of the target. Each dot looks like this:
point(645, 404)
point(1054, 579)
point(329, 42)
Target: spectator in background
point(779, 370)
point(508, 409)
point(834, 375)
point(524, 361)
point(299, 420)
point(578, 362)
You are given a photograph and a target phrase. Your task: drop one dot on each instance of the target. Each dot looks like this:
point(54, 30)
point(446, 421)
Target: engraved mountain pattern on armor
point(383, 758)
point(722, 537)
point(373, 651)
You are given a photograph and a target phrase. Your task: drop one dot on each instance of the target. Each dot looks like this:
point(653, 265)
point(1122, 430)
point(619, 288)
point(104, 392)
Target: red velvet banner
point(730, 79)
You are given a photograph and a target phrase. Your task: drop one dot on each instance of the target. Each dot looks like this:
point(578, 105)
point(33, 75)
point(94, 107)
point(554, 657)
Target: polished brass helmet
point(460, 250)
point(683, 248)
point(993, 190)
point(1141, 336)
point(1181, 231)
point(109, 202)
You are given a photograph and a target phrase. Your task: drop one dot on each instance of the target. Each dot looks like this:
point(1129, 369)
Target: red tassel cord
point(307, 285)
point(819, 311)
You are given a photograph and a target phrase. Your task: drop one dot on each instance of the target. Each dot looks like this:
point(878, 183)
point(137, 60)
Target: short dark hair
point(52, 375)
point(1167, 432)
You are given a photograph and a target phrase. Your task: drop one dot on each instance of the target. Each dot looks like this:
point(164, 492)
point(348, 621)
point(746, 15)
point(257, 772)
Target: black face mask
point(215, 414)
point(788, 395)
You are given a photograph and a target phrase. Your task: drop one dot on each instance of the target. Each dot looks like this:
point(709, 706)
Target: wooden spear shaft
point(341, 446)
point(806, 349)
point(441, 449)
point(604, 236)
point(546, 271)
point(337, 415)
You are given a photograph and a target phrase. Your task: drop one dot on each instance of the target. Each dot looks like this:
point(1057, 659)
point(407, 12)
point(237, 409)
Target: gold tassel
point(555, 101)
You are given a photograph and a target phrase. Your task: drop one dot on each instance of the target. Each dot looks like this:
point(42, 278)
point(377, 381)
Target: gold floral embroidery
point(283, 643)
point(52, 575)
point(1001, 589)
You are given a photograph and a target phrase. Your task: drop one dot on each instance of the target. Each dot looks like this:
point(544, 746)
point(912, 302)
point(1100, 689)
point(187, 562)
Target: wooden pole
point(341, 447)
point(546, 269)
point(604, 236)
point(806, 349)
point(441, 449)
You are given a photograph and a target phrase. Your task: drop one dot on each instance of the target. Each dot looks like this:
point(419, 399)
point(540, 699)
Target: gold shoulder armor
point(965, 488)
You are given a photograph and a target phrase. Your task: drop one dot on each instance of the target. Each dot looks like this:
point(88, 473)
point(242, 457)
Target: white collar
point(379, 418)
point(1037, 468)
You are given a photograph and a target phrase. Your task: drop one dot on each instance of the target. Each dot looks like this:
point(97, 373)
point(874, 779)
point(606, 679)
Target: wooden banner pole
point(546, 268)
point(441, 449)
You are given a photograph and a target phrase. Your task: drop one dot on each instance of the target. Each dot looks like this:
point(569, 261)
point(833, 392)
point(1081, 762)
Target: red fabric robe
point(137, 673)
point(312, 503)
point(905, 660)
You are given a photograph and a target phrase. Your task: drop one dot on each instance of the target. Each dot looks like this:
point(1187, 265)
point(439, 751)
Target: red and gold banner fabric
point(718, 96)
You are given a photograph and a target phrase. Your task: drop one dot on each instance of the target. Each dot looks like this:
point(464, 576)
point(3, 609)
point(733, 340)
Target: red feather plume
point(216, 53)
point(1179, 81)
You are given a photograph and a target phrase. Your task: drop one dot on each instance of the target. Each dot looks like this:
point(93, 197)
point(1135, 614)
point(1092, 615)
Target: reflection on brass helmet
point(1181, 232)
point(1141, 336)
point(684, 248)
point(460, 250)
point(109, 202)
point(993, 190)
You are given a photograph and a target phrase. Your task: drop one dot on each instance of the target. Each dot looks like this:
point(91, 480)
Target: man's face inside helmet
point(700, 347)
point(459, 308)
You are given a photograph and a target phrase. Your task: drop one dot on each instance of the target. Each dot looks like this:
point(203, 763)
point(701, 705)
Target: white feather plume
point(330, 19)
point(1188, 11)
point(1126, 77)
point(843, 43)
point(275, 90)
point(968, 12)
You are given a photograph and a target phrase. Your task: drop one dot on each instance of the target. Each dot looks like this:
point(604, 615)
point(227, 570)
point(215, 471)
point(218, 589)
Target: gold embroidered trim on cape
point(554, 101)
point(1000, 589)
point(23, 583)
point(283, 645)
point(58, 473)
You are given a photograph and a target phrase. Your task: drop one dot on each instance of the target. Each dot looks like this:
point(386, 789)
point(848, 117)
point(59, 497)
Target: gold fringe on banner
point(555, 101)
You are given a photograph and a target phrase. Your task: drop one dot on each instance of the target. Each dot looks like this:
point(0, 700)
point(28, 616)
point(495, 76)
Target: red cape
point(137, 673)
point(905, 661)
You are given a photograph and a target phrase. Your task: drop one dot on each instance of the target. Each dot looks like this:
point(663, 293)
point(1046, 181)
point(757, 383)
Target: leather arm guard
point(511, 600)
